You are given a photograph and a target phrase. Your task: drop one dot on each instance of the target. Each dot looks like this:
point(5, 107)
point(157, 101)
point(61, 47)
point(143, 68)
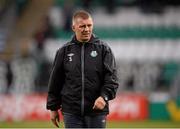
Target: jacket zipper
point(82, 72)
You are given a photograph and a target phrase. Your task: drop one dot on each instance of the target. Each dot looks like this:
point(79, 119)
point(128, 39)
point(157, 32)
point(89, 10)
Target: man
point(83, 78)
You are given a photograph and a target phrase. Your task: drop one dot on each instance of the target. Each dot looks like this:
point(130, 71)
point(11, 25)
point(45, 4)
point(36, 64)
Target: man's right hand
point(55, 118)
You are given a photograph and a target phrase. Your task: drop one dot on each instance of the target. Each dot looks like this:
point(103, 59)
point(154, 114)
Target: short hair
point(80, 14)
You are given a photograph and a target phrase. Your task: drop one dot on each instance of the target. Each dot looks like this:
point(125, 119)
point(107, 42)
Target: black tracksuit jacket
point(81, 73)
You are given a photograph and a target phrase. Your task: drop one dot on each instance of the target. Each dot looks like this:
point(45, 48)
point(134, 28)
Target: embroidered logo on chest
point(94, 53)
point(70, 55)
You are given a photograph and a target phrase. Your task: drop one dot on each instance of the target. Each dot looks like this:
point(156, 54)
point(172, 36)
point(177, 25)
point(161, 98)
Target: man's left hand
point(99, 103)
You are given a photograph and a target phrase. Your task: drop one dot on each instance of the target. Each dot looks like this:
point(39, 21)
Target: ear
point(73, 27)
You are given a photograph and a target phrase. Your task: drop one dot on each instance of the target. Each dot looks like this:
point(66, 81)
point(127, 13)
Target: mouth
point(86, 35)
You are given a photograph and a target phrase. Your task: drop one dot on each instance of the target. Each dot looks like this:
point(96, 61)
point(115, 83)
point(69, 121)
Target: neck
point(82, 41)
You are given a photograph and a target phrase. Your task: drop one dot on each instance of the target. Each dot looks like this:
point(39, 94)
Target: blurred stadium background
point(143, 34)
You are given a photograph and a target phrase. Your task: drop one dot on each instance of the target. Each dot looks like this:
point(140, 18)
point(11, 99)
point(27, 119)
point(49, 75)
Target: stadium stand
point(135, 36)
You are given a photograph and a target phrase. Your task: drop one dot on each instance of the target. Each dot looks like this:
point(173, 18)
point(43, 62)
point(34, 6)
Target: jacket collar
point(92, 39)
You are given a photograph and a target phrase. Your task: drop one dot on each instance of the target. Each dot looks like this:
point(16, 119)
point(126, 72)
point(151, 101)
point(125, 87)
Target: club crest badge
point(93, 54)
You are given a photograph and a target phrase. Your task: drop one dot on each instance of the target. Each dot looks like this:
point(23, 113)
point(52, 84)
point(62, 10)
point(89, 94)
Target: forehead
point(81, 21)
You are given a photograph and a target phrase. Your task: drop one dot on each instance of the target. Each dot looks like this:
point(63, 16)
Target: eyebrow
point(85, 25)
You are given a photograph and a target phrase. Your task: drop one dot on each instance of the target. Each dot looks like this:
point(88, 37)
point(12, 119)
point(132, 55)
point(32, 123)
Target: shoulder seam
point(68, 44)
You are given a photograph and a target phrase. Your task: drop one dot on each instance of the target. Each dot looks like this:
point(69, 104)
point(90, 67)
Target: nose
point(86, 28)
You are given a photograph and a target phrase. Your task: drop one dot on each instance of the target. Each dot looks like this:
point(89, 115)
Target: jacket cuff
point(53, 108)
point(105, 97)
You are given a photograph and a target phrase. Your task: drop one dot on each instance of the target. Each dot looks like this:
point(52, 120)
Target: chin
point(86, 40)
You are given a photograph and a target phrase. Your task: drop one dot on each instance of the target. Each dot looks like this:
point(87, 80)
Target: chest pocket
point(94, 60)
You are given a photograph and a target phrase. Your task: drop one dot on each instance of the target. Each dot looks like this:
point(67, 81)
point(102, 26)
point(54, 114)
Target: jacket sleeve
point(56, 82)
point(110, 85)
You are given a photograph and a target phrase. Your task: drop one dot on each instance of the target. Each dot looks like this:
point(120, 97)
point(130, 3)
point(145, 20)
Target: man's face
point(83, 29)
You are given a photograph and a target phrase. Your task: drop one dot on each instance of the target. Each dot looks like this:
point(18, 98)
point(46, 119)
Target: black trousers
point(74, 121)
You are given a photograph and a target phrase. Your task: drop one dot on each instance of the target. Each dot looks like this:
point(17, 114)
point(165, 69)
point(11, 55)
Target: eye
point(82, 26)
